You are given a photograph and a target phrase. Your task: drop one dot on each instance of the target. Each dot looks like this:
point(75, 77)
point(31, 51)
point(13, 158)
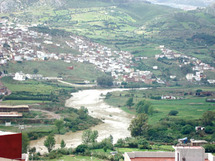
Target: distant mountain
point(7, 6)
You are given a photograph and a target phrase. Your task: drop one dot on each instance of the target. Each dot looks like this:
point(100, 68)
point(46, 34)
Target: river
point(115, 120)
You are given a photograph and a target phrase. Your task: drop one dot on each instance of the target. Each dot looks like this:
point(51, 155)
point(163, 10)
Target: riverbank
point(115, 121)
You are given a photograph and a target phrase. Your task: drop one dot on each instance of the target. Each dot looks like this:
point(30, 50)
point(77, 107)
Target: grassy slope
point(27, 86)
point(81, 71)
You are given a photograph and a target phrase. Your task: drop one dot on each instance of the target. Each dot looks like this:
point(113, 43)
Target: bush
point(143, 144)
point(187, 129)
point(81, 148)
point(120, 143)
point(209, 148)
point(132, 143)
point(173, 113)
point(209, 129)
point(54, 154)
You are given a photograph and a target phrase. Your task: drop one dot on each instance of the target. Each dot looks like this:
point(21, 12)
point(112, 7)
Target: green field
point(27, 86)
point(77, 158)
point(190, 107)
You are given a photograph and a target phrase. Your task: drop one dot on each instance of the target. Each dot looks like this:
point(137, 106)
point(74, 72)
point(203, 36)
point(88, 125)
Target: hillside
point(137, 27)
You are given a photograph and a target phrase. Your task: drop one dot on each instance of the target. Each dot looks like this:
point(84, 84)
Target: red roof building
point(182, 153)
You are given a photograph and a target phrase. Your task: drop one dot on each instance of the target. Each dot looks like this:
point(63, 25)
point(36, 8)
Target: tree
point(139, 125)
point(62, 144)
point(25, 142)
point(81, 148)
point(105, 81)
point(89, 136)
point(83, 112)
point(35, 71)
point(49, 143)
point(208, 118)
point(59, 125)
point(143, 107)
point(129, 102)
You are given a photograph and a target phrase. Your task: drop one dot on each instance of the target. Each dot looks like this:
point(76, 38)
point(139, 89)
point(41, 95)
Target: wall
point(190, 153)
point(211, 157)
point(11, 146)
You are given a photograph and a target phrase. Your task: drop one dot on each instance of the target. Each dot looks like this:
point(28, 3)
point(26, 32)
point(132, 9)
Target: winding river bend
point(115, 120)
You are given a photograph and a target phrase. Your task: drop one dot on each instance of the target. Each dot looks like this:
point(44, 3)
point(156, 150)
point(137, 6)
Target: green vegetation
point(196, 105)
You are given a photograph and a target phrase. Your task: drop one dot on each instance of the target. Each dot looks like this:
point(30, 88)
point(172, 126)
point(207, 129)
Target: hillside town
point(19, 43)
point(198, 67)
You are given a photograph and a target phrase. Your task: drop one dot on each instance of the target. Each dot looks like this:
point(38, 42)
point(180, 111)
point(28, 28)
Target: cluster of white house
point(198, 66)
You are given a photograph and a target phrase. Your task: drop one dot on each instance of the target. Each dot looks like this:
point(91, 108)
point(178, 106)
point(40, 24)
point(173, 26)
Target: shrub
point(209, 148)
point(81, 148)
point(187, 129)
point(209, 129)
point(173, 113)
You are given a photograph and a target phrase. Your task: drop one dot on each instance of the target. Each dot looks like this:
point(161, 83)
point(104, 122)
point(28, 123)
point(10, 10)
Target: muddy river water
point(115, 120)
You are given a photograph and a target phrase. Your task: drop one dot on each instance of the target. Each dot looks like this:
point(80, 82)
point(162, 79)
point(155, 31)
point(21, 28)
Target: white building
point(19, 76)
point(189, 76)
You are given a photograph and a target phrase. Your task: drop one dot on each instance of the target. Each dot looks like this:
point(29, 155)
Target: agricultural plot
point(188, 107)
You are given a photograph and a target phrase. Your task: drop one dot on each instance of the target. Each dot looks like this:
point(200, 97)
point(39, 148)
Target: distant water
point(180, 6)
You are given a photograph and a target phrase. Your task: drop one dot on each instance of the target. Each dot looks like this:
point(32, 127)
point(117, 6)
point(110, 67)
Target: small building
point(199, 128)
point(197, 142)
point(190, 76)
point(19, 76)
point(7, 123)
point(18, 108)
point(182, 153)
point(155, 67)
point(4, 115)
